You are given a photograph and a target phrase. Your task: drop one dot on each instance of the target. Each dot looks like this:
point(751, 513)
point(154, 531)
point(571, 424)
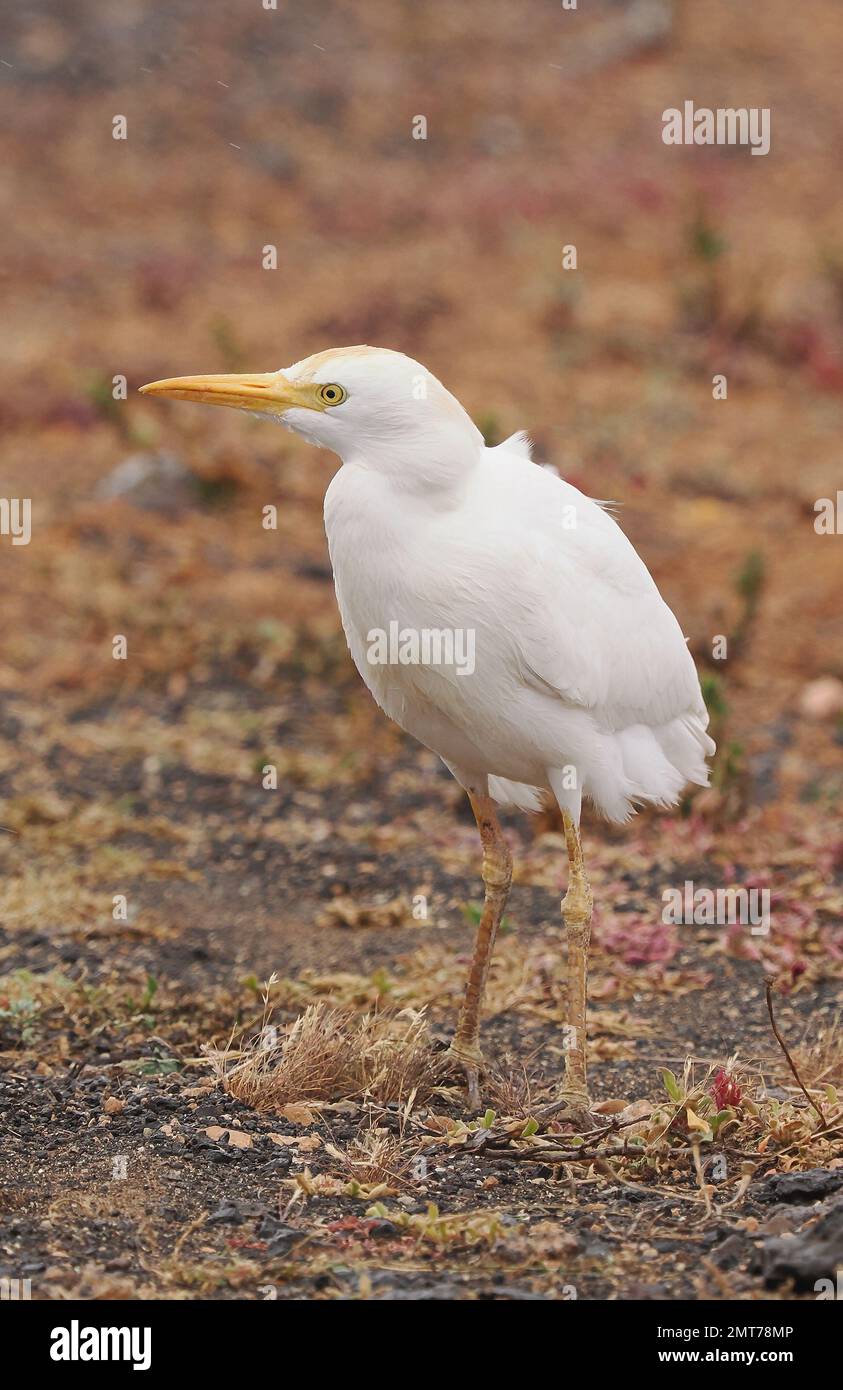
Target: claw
point(573, 1106)
point(470, 1061)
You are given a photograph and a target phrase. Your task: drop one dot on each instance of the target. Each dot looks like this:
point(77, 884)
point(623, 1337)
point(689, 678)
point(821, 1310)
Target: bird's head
point(370, 404)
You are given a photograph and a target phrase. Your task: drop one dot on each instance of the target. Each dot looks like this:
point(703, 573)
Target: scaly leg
point(576, 913)
point(497, 876)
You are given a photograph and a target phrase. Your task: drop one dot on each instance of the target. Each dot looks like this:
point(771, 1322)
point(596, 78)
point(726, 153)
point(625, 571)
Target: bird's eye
point(332, 394)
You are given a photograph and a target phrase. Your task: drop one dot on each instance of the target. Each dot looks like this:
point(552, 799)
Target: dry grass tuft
point(377, 1159)
point(820, 1058)
point(332, 1054)
point(515, 1091)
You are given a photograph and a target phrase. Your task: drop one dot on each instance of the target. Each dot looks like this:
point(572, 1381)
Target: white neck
point(436, 462)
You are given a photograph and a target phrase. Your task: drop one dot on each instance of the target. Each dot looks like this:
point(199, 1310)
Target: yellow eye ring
point(331, 394)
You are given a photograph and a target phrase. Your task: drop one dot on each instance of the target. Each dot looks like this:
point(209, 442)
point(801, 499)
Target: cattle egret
point(580, 682)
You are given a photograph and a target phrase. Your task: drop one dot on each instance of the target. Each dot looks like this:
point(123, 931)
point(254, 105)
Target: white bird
point(580, 682)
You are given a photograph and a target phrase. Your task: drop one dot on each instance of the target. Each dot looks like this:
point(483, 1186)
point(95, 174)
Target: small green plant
point(158, 1066)
point(382, 983)
point(700, 293)
point(472, 912)
point(671, 1085)
point(460, 1229)
point(749, 583)
point(712, 693)
point(19, 1015)
point(100, 393)
point(729, 767)
point(149, 993)
point(706, 242)
point(490, 428)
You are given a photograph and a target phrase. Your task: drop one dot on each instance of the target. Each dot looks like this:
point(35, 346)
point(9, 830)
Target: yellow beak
point(270, 392)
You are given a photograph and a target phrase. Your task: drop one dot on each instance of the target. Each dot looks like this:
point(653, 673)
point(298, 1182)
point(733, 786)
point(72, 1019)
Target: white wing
point(585, 617)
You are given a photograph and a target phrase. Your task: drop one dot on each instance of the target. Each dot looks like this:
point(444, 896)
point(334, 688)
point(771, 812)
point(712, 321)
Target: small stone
point(822, 698)
point(812, 1184)
point(153, 482)
point(808, 1256)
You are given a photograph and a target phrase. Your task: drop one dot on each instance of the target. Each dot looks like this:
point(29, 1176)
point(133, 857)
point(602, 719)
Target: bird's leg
point(576, 913)
point(497, 876)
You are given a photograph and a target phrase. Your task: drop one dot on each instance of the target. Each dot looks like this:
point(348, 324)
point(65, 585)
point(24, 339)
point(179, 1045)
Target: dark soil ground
point(120, 1174)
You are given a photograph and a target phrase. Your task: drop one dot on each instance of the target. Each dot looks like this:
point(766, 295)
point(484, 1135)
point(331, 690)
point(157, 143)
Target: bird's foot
point(573, 1106)
point(470, 1061)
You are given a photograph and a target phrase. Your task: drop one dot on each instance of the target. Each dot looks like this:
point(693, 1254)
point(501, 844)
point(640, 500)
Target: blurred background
point(143, 257)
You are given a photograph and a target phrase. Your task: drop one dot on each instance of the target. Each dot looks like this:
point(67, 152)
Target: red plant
point(725, 1089)
point(638, 941)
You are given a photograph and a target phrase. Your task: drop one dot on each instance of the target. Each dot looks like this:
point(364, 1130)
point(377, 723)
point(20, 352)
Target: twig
point(187, 1231)
point(540, 1155)
point(703, 1185)
point(783, 1045)
point(487, 1141)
